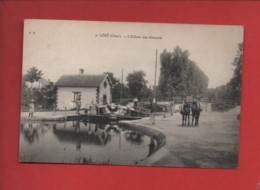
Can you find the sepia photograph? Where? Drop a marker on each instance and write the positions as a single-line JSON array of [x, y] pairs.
[[128, 93]]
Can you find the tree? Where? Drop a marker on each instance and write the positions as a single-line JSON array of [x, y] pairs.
[[24, 94], [236, 81], [146, 93], [231, 90], [179, 75], [137, 83], [33, 75], [49, 93]]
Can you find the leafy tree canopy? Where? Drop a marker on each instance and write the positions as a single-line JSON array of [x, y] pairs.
[[235, 82], [137, 83], [33, 74], [179, 75]]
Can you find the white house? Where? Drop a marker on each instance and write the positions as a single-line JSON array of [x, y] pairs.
[[96, 89]]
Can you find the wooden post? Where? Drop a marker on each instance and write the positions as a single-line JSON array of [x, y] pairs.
[[155, 76], [121, 90], [154, 95]]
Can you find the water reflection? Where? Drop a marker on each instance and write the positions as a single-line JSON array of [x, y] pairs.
[[31, 133], [83, 142], [91, 133], [134, 137]]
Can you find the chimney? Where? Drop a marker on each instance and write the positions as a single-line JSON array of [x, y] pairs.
[[81, 71]]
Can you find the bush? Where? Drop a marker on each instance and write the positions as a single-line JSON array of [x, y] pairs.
[[222, 107]]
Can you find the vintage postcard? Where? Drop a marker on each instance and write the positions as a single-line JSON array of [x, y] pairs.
[[120, 93]]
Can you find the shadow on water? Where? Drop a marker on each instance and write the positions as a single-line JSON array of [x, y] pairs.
[[194, 126], [82, 142]]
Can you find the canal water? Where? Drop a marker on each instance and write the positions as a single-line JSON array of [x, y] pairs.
[[81, 142]]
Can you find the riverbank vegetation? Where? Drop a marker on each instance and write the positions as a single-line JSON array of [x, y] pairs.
[[232, 90], [43, 95]]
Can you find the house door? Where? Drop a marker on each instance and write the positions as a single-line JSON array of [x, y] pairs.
[[104, 99]]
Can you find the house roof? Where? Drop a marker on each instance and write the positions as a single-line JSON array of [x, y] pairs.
[[80, 80]]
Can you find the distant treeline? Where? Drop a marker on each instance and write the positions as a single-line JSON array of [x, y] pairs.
[[232, 90]]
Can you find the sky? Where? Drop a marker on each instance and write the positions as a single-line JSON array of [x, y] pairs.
[[59, 47]]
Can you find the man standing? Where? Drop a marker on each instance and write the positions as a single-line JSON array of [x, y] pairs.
[[78, 104], [172, 107], [135, 103], [31, 108]]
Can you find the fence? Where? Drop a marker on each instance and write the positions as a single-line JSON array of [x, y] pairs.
[[207, 104], [179, 100]]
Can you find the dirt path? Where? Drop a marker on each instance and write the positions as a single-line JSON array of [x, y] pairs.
[[213, 144]]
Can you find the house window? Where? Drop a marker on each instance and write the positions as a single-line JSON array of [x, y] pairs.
[[76, 96], [105, 84]]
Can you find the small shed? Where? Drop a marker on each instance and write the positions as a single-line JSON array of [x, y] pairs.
[[93, 89]]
